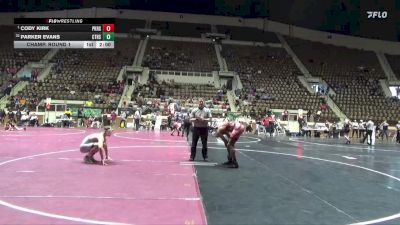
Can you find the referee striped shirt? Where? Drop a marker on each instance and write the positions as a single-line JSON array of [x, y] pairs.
[[205, 113]]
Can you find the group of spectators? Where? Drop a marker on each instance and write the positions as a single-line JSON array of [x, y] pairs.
[[25, 118], [362, 130]]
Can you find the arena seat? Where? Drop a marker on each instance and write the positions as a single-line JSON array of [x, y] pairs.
[[248, 34], [182, 56], [394, 61], [269, 78], [181, 29], [86, 75], [12, 60], [354, 75]]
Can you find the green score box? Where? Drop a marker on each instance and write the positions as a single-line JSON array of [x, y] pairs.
[[108, 36]]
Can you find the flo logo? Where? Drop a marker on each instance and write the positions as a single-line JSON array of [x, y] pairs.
[[377, 14]]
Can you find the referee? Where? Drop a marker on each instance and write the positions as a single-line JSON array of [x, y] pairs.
[[200, 117]]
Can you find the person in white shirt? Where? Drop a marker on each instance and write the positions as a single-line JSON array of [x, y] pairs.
[[94, 143], [96, 122], [346, 130], [34, 121], [354, 127], [25, 119], [369, 127], [137, 119], [123, 116], [318, 115], [361, 129]]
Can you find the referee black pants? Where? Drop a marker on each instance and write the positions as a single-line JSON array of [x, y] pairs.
[[202, 133], [368, 134]]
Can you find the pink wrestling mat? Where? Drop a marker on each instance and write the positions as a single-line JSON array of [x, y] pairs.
[[43, 180]]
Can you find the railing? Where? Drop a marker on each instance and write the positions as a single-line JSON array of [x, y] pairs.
[[338, 112], [232, 100], [386, 67], [182, 73]]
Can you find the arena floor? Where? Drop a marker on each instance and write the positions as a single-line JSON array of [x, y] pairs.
[[282, 180]]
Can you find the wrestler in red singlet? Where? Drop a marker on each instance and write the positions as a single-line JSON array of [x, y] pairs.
[[233, 130]]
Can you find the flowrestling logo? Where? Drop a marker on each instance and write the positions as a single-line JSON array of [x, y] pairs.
[[377, 14]]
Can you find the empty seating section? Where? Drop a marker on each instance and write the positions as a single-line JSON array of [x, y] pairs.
[[183, 56], [362, 98], [181, 29], [126, 25], [248, 34], [183, 91], [87, 75], [269, 79], [12, 60], [328, 60], [394, 61], [353, 74]]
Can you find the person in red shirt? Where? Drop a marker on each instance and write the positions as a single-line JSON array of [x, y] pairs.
[[265, 121], [230, 132], [268, 122]]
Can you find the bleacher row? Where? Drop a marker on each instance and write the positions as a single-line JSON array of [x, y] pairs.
[[12, 60], [354, 75], [184, 56], [186, 93], [89, 75], [269, 75]]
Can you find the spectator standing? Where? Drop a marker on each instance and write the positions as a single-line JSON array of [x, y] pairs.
[[18, 116], [361, 129], [68, 113], [385, 130], [137, 119], [2, 116], [122, 124], [369, 127], [354, 127], [186, 125], [113, 118]]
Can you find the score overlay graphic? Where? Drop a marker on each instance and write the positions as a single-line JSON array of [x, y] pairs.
[[91, 33]]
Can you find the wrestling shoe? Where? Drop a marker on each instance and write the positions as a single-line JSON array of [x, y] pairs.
[[227, 163], [234, 165], [93, 160], [87, 159]]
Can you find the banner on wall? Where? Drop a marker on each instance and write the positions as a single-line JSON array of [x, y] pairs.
[[86, 112]]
